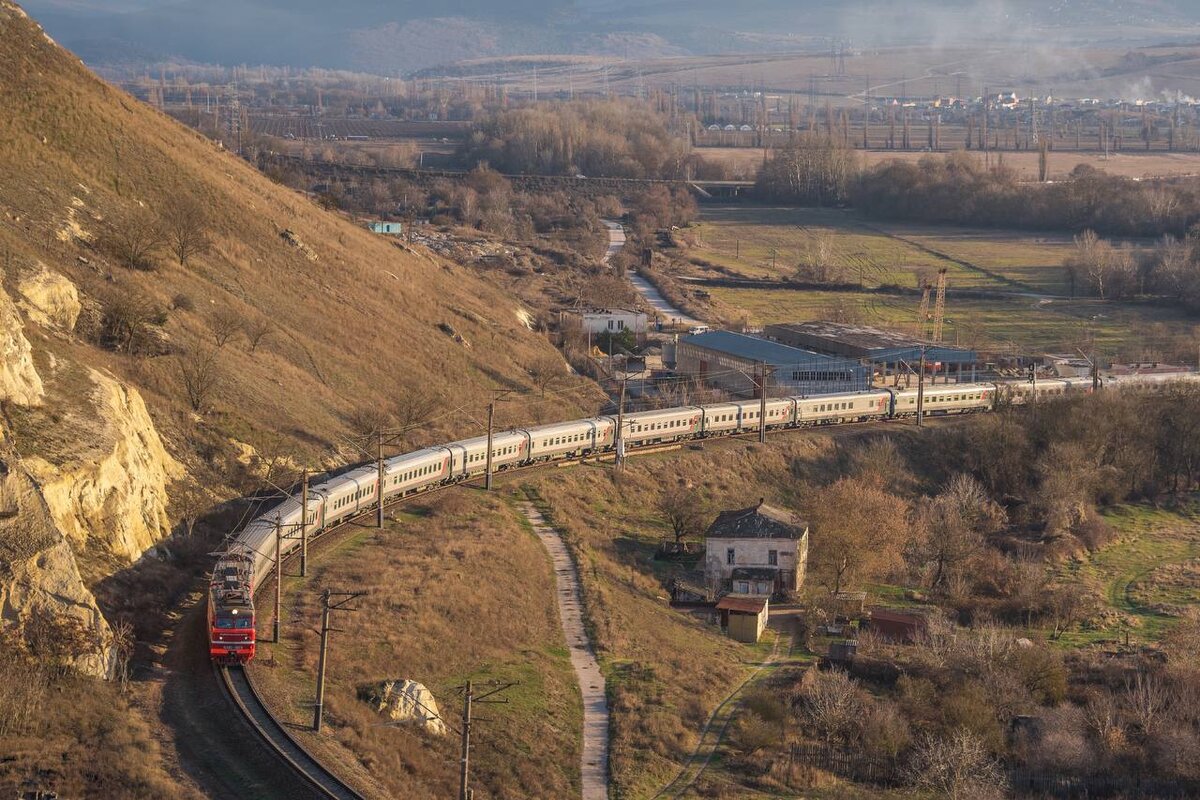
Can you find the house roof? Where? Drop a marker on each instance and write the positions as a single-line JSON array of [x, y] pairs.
[[757, 522], [742, 604], [754, 573]]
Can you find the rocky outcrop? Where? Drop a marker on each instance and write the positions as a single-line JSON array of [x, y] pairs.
[[115, 494], [39, 577], [49, 299], [405, 701], [20, 383]]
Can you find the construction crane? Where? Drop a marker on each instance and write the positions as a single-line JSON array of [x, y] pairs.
[[939, 306], [923, 311]]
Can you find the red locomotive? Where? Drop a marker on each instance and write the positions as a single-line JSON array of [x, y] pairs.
[[231, 609]]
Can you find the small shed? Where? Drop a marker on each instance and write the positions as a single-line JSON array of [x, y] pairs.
[[895, 626], [743, 617], [386, 228]]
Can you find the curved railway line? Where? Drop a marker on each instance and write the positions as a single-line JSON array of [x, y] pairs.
[[324, 783], [274, 734]]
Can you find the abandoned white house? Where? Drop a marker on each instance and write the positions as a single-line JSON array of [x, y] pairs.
[[761, 550]]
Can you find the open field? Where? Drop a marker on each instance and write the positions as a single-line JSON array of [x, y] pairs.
[[1000, 325], [745, 161], [758, 242], [1137, 574]]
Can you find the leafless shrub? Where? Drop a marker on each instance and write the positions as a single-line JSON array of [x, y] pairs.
[[956, 766], [189, 500], [226, 324], [122, 644], [200, 374], [368, 420], [885, 731], [128, 321], [832, 704], [257, 331], [185, 227], [135, 239], [1145, 699]]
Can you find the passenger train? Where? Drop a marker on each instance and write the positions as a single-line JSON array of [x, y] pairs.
[[251, 553]]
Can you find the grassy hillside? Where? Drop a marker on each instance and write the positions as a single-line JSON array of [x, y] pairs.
[[356, 324], [307, 328]]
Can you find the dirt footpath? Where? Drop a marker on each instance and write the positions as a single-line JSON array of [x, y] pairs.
[[583, 657]]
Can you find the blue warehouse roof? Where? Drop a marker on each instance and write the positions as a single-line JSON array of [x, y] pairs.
[[752, 348]]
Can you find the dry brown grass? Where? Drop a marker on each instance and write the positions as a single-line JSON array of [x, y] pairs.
[[743, 162], [355, 327], [666, 669], [459, 588]]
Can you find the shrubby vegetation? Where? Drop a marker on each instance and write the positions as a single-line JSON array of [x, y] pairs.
[[610, 139], [812, 169], [957, 188]]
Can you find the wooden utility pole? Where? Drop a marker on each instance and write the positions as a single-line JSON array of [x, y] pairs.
[[497, 395], [469, 700], [921, 388], [304, 523], [322, 661], [487, 475], [464, 772], [278, 575], [619, 437], [379, 488], [762, 402]]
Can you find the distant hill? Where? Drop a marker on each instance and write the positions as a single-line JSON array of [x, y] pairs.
[[352, 34]]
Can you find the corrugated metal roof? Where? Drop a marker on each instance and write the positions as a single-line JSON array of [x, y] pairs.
[[743, 604], [862, 341], [753, 348]]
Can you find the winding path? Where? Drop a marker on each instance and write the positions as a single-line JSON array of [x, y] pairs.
[[594, 769], [669, 313]]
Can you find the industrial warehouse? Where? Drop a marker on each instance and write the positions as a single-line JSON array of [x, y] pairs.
[[887, 353], [734, 361]]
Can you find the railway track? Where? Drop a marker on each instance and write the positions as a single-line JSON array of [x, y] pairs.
[[285, 747], [323, 782]]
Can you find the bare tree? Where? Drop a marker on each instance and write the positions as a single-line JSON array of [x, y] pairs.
[[832, 703], [683, 510], [123, 642], [226, 324], [190, 501], [200, 374], [546, 373], [185, 225], [257, 331], [957, 766], [1146, 699], [135, 239], [370, 419], [412, 408], [127, 320]]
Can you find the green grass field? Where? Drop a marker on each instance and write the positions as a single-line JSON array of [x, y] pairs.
[[1006, 325], [1133, 574]]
